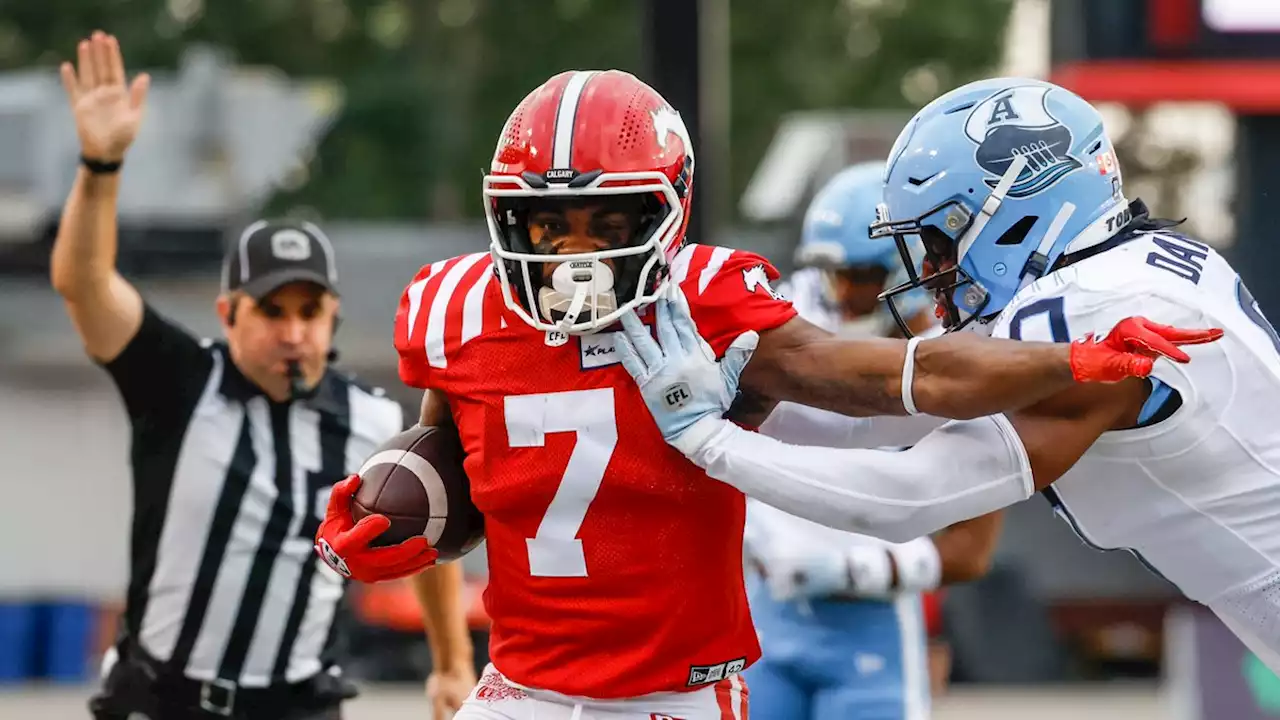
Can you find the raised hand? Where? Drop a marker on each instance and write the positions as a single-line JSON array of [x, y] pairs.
[[107, 110]]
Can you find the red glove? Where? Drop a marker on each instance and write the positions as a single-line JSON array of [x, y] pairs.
[[344, 544], [1131, 348]]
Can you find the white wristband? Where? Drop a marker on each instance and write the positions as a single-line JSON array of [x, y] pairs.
[[919, 566], [908, 374], [870, 570]]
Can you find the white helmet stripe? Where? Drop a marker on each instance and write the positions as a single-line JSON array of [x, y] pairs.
[[566, 115], [990, 206]]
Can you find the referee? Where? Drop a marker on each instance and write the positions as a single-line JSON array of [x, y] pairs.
[[235, 444]]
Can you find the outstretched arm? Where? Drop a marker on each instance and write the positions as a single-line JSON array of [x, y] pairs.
[[902, 495], [804, 425], [958, 375], [894, 495]]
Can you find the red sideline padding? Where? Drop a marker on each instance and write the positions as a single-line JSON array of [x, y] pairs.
[[1247, 87]]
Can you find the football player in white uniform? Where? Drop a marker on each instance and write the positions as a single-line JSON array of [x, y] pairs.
[[1013, 187], [840, 614]]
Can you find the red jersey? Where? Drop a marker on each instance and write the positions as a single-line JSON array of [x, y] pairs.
[[615, 564]]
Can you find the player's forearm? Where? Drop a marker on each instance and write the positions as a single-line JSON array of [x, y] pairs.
[[804, 425], [84, 252], [963, 376], [440, 595], [960, 375], [897, 496]]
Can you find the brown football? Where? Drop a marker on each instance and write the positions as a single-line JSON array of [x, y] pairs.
[[417, 480]]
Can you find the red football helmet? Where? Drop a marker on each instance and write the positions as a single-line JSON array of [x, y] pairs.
[[588, 133]]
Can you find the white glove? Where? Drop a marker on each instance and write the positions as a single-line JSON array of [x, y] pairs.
[[863, 571], [686, 390], [792, 576]]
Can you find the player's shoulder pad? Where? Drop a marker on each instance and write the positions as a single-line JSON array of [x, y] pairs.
[[700, 270], [443, 308], [729, 292]]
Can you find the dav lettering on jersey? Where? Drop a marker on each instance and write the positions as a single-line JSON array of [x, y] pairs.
[[664, 717], [707, 674]]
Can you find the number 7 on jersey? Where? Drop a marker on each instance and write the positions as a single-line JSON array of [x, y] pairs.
[[556, 551]]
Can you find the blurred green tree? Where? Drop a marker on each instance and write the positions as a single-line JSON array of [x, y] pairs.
[[430, 82]]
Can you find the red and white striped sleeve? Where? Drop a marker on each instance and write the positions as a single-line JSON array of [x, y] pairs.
[[729, 292], [440, 311]]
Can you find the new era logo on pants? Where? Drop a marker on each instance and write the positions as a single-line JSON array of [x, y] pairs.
[[704, 674]]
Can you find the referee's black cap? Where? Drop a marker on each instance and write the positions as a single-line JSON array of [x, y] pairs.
[[271, 254]]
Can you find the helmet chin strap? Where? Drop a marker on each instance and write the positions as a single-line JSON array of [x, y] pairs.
[[1038, 263], [575, 307], [572, 283]]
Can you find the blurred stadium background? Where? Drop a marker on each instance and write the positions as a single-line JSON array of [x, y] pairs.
[[375, 119]]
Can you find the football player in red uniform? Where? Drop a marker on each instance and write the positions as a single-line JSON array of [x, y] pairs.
[[616, 583]]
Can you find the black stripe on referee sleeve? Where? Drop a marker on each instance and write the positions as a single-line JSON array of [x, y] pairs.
[[215, 544], [255, 588], [335, 430]]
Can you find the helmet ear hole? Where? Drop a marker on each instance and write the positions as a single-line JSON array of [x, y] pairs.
[[1018, 231]]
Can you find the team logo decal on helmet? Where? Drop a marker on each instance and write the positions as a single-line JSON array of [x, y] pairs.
[[1016, 122]]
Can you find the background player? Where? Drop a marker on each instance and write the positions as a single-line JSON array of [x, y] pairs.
[[840, 614], [587, 199], [843, 271], [1179, 468]]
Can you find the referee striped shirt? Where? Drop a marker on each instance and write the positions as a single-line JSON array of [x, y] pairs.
[[229, 490]]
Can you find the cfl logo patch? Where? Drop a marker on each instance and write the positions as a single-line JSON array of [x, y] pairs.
[[677, 396]]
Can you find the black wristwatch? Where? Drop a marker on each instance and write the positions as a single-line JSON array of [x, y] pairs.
[[100, 167]]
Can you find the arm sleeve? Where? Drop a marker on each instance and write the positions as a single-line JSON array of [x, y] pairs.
[[732, 297], [803, 425], [161, 370], [896, 496]]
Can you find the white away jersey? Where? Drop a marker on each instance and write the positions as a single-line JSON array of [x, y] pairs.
[[1197, 495]]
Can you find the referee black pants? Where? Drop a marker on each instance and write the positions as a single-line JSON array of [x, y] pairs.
[[139, 685]]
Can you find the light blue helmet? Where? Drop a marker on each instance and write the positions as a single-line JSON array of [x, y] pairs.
[[999, 179], [836, 231]]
